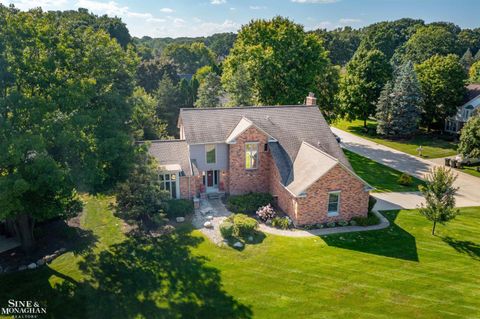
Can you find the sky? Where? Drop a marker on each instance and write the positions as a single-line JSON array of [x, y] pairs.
[[177, 18]]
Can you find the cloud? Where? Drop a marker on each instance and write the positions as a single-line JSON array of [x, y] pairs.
[[315, 1], [167, 10], [323, 25], [45, 4], [218, 1], [257, 7], [349, 20]]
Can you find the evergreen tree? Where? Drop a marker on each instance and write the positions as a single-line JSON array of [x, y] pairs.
[[467, 59], [239, 88], [168, 104], [209, 92], [399, 105], [477, 56]]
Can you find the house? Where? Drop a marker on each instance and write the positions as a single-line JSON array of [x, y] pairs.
[[471, 103], [288, 151]]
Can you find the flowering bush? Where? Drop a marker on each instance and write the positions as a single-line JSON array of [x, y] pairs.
[[266, 213]]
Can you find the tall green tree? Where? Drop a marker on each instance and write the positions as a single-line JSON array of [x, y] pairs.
[[283, 61], [442, 79], [169, 102], [341, 43], [476, 57], [429, 41], [189, 57], [467, 59], [239, 89], [367, 73], [209, 92], [151, 72], [475, 72], [469, 145], [399, 105], [62, 123], [145, 123], [439, 196]]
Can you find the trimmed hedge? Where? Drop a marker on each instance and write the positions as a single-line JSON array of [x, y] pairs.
[[178, 208], [226, 229], [238, 225], [248, 203]]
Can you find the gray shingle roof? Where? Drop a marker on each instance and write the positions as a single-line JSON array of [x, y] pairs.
[[168, 152], [289, 125]]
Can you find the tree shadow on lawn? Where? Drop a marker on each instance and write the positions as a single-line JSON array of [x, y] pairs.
[[141, 277], [464, 246], [392, 242]]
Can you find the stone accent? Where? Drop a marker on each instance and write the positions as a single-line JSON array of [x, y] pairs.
[[241, 180]]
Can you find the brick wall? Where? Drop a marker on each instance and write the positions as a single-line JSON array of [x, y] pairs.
[[195, 182], [240, 179], [353, 198]]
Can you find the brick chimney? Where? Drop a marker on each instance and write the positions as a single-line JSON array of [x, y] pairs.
[[311, 99]]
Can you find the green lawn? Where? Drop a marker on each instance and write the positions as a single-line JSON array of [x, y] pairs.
[[382, 177], [472, 170], [433, 147], [398, 272]]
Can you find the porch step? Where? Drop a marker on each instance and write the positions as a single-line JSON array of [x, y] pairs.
[[215, 195]]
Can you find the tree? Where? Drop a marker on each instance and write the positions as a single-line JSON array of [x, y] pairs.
[[469, 145], [189, 57], [476, 58], [439, 196], [141, 197], [64, 125], [168, 104], [442, 79], [145, 123], [367, 73], [238, 88], [469, 38], [429, 41], [151, 72], [202, 73], [209, 92], [341, 43], [399, 106], [283, 61], [475, 72], [467, 59], [327, 90]]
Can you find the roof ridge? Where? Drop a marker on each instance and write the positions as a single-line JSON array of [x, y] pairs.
[[319, 150], [245, 107], [162, 141]]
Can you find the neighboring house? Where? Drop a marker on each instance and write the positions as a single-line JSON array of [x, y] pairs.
[[471, 103], [288, 151]]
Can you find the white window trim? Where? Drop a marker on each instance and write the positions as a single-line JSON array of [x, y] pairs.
[[177, 182], [258, 155], [336, 213], [206, 156]]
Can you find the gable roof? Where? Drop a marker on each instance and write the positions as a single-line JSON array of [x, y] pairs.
[[172, 154], [309, 166], [290, 125], [473, 90]]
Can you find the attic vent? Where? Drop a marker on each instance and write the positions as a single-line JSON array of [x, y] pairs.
[[267, 117]]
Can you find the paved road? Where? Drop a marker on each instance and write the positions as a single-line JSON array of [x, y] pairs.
[[469, 186]]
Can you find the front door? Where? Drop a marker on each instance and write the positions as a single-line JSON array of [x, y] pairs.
[[209, 178]]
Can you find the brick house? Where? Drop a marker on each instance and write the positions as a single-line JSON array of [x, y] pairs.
[[288, 151]]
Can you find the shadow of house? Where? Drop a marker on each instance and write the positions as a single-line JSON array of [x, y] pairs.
[[393, 242], [465, 247], [142, 277]]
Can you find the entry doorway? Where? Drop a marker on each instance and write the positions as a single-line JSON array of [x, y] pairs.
[[210, 180]]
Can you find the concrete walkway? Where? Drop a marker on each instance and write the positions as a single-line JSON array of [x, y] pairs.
[[7, 244], [469, 186]]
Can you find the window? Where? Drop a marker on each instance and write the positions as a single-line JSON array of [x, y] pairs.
[[211, 153], [333, 203], [251, 155], [168, 182], [265, 147]]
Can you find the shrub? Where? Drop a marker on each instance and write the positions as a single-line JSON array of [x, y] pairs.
[[248, 203], [371, 203], [243, 226], [226, 229], [266, 213], [178, 208], [331, 224], [353, 223], [158, 219], [405, 180], [281, 222], [342, 223], [370, 220]]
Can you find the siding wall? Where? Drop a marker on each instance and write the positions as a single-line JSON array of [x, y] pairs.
[[197, 152]]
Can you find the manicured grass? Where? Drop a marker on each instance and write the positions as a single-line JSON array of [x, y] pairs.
[[433, 147], [472, 170], [383, 178], [398, 272]]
